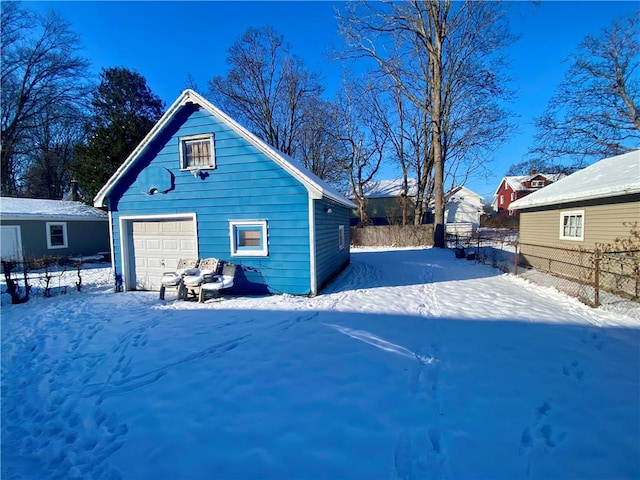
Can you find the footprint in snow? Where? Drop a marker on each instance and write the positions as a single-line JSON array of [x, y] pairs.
[[573, 370]]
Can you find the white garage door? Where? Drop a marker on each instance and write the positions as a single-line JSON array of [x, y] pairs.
[[157, 247]]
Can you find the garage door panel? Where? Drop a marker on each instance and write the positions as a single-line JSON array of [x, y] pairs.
[[188, 245], [155, 263], [158, 246], [170, 244]]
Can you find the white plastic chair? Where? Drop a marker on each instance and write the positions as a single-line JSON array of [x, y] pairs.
[[173, 279], [218, 282], [191, 282]]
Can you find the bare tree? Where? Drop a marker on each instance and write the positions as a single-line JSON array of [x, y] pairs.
[[41, 74], [595, 111], [406, 127], [48, 171], [444, 57], [362, 140], [318, 149], [267, 88]]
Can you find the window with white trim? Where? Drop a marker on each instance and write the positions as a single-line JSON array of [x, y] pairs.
[[341, 237], [572, 225], [249, 238], [537, 183], [197, 152], [56, 235]]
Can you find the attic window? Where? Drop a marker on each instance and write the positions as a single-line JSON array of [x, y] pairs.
[[537, 183], [197, 152]]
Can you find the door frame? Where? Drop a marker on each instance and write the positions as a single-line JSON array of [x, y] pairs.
[[126, 241]]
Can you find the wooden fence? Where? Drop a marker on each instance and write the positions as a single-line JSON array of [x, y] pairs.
[[392, 236]]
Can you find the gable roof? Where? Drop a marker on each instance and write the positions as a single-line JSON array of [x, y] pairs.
[[40, 209], [316, 187], [389, 188], [463, 194], [516, 182], [610, 177]]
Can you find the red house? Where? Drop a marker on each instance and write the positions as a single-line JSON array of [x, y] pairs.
[[516, 187]]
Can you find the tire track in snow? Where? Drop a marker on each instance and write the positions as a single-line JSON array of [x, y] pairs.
[[134, 382]]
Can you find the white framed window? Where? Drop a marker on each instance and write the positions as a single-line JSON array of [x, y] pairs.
[[501, 200], [572, 225], [341, 237], [57, 235], [249, 238], [512, 196], [197, 152], [537, 183]]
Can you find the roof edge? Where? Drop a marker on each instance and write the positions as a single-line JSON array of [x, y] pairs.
[[54, 217], [100, 197], [579, 198], [315, 190]]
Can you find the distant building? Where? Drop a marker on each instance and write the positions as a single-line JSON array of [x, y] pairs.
[[513, 188], [33, 228], [385, 199]]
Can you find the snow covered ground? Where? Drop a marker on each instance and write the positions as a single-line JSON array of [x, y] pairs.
[[411, 365]]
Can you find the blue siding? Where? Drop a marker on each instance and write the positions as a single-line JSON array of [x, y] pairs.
[[245, 185], [330, 259]]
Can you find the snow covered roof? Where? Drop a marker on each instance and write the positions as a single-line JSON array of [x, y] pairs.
[[389, 188], [607, 178], [463, 194], [316, 187], [393, 189], [35, 208], [516, 182]]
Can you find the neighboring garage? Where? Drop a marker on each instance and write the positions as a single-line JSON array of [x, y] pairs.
[[155, 245], [34, 228]]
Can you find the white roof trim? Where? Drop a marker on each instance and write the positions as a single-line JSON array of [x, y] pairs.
[[316, 187]]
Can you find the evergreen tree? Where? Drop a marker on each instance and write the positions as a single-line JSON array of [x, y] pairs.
[[124, 111]]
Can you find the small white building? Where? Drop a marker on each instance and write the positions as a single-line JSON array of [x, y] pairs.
[[463, 208]]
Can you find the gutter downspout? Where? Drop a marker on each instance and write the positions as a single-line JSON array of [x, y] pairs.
[[312, 249]]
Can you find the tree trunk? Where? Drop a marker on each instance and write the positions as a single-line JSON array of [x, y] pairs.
[[435, 60]]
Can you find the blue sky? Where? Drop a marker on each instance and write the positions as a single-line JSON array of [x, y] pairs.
[[166, 41]]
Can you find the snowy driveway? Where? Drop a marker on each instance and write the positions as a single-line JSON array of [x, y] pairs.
[[410, 365]]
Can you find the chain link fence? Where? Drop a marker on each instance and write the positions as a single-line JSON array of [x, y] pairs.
[[492, 246], [595, 277]]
